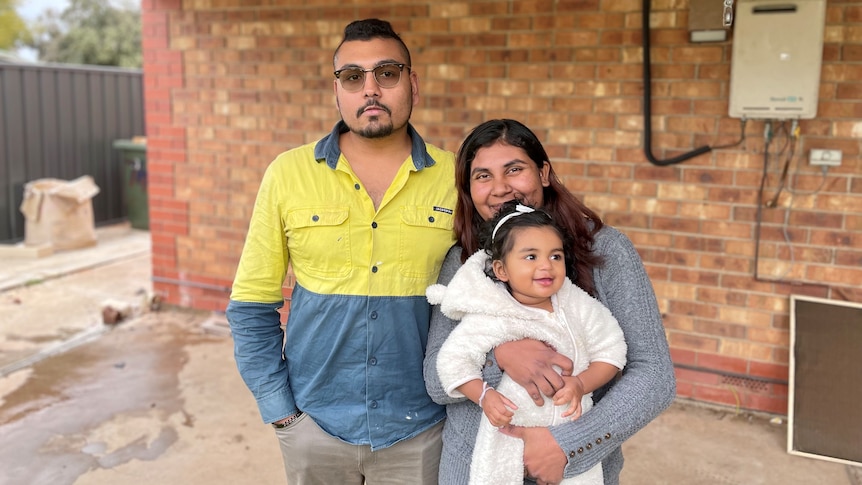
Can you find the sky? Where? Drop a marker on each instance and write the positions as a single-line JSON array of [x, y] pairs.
[[29, 10]]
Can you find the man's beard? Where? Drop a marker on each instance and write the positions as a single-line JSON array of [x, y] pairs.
[[375, 129]]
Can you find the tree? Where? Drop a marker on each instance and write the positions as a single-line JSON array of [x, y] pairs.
[[90, 32], [13, 29]]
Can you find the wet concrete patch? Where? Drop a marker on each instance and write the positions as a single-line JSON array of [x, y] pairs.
[[39, 317], [99, 405]]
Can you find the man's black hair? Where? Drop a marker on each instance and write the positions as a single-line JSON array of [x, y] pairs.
[[368, 29]]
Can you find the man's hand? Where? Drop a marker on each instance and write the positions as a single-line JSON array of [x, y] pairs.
[[531, 363], [544, 460]]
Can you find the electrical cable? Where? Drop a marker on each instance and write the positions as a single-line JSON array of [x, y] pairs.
[[769, 137], [785, 232], [742, 122], [783, 178], [647, 80], [647, 84]]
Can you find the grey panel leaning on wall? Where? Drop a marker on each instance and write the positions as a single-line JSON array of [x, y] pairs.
[[824, 411]]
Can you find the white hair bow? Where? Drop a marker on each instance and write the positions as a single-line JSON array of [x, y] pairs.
[[519, 209]]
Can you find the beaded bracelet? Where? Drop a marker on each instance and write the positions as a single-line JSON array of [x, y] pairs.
[[289, 421]]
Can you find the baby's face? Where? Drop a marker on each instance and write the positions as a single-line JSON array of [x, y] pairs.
[[535, 268]]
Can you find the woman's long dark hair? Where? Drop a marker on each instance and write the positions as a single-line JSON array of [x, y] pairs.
[[580, 222]]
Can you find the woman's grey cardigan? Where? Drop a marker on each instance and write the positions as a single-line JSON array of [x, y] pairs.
[[647, 386]]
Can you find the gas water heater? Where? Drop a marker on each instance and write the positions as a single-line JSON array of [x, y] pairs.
[[777, 54]]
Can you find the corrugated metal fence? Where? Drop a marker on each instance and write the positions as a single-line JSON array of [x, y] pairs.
[[60, 121]]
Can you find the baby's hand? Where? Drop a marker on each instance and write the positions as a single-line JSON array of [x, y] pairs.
[[572, 392], [498, 408], [574, 411]]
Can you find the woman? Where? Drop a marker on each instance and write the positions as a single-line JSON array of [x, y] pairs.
[[516, 288], [503, 160]]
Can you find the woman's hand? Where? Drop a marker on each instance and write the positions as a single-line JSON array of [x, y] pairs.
[[544, 460], [531, 363]]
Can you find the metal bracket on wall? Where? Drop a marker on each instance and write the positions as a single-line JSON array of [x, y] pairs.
[[727, 16]]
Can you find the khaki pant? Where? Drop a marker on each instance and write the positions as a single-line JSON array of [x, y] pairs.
[[312, 457]]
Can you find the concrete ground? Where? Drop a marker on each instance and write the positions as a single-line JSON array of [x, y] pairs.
[[156, 399]]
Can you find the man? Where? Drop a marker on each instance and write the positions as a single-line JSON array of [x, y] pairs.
[[364, 217]]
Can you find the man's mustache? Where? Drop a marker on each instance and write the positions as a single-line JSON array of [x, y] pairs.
[[370, 104]]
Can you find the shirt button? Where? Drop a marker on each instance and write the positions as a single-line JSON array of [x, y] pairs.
[[589, 446], [374, 225], [431, 219], [373, 315], [572, 454], [374, 404], [581, 449], [356, 186], [372, 361], [374, 269], [607, 436], [315, 218], [598, 441]]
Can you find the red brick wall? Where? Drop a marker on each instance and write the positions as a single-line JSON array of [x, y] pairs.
[[230, 84]]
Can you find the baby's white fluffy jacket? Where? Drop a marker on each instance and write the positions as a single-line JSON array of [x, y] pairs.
[[581, 328]]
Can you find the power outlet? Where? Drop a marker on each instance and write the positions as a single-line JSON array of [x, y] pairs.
[[831, 158]]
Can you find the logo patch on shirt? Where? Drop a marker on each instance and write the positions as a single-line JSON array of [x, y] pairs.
[[444, 210]]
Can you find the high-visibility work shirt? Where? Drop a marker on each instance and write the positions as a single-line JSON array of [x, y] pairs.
[[355, 337]]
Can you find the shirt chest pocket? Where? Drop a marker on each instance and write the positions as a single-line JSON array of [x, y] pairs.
[[319, 241], [425, 237]]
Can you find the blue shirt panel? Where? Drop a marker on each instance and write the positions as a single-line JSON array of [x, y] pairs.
[[355, 365]]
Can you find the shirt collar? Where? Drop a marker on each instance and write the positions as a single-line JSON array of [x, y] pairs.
[[327, 149]]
